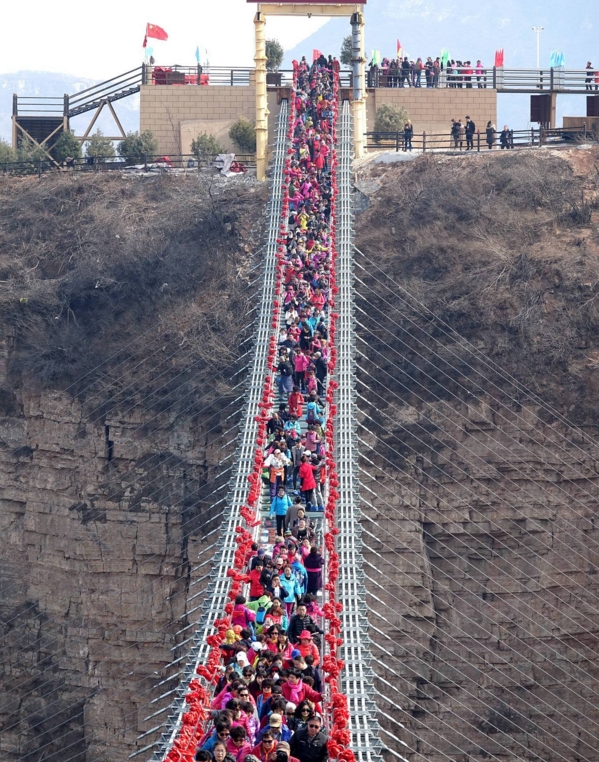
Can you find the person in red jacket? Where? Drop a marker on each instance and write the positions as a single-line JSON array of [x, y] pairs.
[[296, 691], [307, 647], [307, 482], [256, 588]]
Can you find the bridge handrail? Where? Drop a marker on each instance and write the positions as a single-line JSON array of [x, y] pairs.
[[444, 141]]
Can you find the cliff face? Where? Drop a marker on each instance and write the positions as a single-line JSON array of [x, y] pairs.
[[479, 496], [111, 486]]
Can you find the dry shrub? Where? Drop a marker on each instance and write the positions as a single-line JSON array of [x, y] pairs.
[[136, 286], [502, 249]]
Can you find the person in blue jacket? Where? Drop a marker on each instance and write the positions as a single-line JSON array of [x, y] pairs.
[[301, 575], [279, 507], [292, 590]]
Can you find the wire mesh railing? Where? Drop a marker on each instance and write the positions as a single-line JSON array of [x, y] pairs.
[[357, 677], [217, 592], [550, 79], [478, 141]]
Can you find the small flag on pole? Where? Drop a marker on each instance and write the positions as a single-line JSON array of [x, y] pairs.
[[156, 32], [315, 54], [198, 57], [398, 49], [499, 57]]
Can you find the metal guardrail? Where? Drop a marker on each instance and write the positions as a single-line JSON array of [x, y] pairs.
[[131, 81], [217, 592], [585, 81], [223, 76], [423, 141], [357, 677]]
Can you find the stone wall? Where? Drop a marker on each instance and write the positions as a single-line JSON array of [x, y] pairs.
[[432, 109], [177, 114]]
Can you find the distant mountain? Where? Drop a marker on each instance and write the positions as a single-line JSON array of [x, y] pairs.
[[472, 31], [49, 84]]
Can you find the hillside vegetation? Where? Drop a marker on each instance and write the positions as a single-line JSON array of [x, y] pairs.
[[505, 250], [99, 274]]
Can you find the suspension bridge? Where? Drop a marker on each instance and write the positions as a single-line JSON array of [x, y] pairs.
[[408, 626]]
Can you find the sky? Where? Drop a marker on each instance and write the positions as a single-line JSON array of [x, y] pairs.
[[104, 39]]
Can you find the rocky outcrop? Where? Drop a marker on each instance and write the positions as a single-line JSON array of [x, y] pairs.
[[479, 498], [120, 374]]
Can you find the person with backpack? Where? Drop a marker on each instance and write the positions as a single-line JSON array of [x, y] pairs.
[[242, 616], [313, 412], [491, 134]]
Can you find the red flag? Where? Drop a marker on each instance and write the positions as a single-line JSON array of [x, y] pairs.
[[156, 32], [145, 41], [315, 54], [398, 48], [499, 57]]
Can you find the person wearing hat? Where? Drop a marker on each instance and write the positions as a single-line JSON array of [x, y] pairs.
[[307, 647], [284, 750], [257, 558], [280, 732]]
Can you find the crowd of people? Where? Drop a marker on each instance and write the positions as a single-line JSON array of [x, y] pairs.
[[462, 134], [267, 705], [403, 72]]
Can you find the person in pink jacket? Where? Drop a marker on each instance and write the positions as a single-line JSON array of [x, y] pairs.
[[300, 362], [295, 691]]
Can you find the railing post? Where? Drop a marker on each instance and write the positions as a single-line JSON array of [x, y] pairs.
[[397, 142], [232, 77], [423, 142], [15, 105], [551, 79], [478, 141], [494, 78], [143, 73]]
